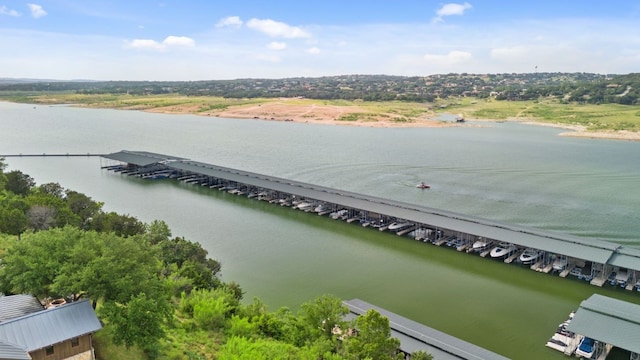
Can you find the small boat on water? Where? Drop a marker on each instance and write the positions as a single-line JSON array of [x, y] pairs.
[[423, 185]]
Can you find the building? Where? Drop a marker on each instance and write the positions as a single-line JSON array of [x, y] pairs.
[[30, 331]]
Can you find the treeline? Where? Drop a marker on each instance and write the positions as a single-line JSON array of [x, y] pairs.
[[568, 87], [159, 293]]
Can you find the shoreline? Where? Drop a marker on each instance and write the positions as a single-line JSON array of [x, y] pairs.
[[314, 112], [330, 114]]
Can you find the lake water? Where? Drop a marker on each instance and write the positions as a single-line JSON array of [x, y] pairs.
[[507, 172]]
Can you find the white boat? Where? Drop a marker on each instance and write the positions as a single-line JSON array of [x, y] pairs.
[[529, 255], [304, 206], [586, 348], [560, 263], [622, 277], [399, 225], [481, 245], [322, 208], [338, 214], [503, 249]]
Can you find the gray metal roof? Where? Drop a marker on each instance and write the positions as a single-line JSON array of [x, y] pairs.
[[414, 336], [48, 327], [587, 249], [626, 257], [140, 158], [13, 306], [612, 321], [12, 352]]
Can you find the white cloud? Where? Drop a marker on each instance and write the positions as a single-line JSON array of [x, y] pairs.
[[233, 21], [36, 11], [313, 51], [452, 58], [144, 44], [169, 41], [6, 11], [179, 41], [451, 9], [275, 45], [277, 29]]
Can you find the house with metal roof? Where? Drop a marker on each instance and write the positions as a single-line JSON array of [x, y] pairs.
[[57, 333], [414, 336], [609, 321]]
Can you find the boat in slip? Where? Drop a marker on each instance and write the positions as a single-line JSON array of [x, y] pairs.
[[586, 348], [530, 255], [503, 249], [481, 245], [560, 263], [399, 226], [423, 185]]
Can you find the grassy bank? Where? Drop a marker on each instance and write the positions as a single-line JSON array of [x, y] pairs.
[[611, 117], [605, 117]]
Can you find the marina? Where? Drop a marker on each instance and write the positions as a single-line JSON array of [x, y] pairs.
[[591, 260], [286, 256]]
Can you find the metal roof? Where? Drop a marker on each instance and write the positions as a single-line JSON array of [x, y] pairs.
[[612, 321], [13, 306], [414, 336], [140, 158], [48, 327], [12, 352], [626, 257], [587, 249]]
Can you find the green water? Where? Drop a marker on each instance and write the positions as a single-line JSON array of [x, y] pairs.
[[510, 173]]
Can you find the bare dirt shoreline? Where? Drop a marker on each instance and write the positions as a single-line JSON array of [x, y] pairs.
[[330, 115]]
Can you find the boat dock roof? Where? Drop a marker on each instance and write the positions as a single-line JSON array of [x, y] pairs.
[[609, 320], [414, 336], [594, 250]]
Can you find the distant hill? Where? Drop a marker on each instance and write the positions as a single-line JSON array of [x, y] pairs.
[[570, 87]]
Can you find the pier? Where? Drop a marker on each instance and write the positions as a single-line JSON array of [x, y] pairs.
[[52, 155], [431, 225]]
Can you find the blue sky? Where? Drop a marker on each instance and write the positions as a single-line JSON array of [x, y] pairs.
[[213, 39]]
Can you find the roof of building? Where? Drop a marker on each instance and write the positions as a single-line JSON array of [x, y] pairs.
[[12, 352], [48, 327], [13, 306], [414, 336], [612, 321], [140, 158], [587, 249]]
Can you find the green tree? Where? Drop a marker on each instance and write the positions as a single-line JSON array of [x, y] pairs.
[[19, 183], [140, 321], [83, 206], [373, 339], [421, 355], [322, 315], [13, 221], [157, 232]]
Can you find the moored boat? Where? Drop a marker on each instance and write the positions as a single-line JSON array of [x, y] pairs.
[[503, 249], [529, 255]]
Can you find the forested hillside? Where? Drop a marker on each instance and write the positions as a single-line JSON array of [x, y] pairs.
[[569, 87]]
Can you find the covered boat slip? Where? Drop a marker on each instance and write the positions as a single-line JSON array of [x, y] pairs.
[[609, 321], [604, 257], [414, 336]]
